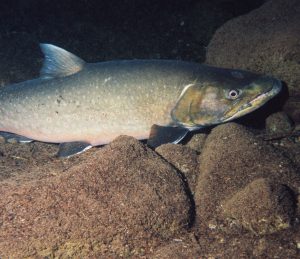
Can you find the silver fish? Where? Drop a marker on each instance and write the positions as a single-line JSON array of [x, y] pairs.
[[81, 104]]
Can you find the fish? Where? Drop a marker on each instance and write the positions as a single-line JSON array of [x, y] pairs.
[[80, 105]]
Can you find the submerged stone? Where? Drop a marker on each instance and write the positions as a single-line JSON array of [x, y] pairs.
[[263, 207], [120, 200]]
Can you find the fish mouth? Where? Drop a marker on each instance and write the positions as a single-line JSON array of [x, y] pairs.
[[258, 101], [264, 97]]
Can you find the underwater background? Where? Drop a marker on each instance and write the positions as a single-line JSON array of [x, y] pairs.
[[105, 30], [232, 192]]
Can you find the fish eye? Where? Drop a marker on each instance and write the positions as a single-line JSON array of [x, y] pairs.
[[233, 94]]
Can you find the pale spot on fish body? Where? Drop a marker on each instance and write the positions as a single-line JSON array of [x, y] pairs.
[[107, 79]]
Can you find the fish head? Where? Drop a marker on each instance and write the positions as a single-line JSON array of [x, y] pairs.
[[223, 97]]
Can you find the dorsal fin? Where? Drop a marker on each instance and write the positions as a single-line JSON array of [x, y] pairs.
[[59, 62]]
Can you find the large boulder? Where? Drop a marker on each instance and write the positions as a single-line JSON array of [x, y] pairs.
[[246, 189], [265, 40], [121, 200]]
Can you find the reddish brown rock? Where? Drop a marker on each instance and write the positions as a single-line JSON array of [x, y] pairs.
[[182, 247], [232, 159], [265, 40], [120, 200], [267, 207], [184, 159], [279, 123], [197, 141]]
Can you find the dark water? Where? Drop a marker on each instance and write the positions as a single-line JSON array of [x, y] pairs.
[[111, 29]]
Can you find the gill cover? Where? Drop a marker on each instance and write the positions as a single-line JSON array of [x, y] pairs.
[[186, 103], [200, 105]]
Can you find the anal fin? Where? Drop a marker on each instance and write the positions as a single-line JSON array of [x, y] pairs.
[[165, 134], [14, 138], [69, 149]]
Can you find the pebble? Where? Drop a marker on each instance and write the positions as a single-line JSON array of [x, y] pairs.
[[279, 123]]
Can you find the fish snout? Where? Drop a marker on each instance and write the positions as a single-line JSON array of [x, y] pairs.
[[273, 84], [277, 85]]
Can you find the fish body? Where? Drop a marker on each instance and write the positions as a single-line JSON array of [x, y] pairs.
[[97, 104], [74, 101]]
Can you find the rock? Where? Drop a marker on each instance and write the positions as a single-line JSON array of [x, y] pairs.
[[263, 248], [241, 43], [184, 159], [2, 139], [183, 247], [120, 201], [279, 123], [31, 162], [206, 16], [197, 141], [231, 161], [262, 207]]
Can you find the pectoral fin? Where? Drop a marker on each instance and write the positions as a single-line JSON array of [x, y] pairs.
[[72, 148], [161, 135]]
